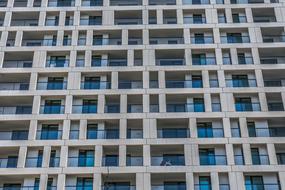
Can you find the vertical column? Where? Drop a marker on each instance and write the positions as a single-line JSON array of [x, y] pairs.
[[22, 156], [187, 152], [82, 129], [162, 103], [124, 103], [146, 155], [271, 153], [230, 154], [68, 104], [65, 129], [123, 128], [193, 127], [232, 180], [283, 98], [63, 156], [61, 181], [205, 78], [234, 56], [215, 180], [36, 104], [101, 103], [97, 181], [122, 155], [146, 103], [61, 21], [262, 101], [131, 57], [114, 80], [33, 129], [46, 156], [195, 155], [189, 180], [159, 16], [208, 102], [243, 127], [125, 37], [282, 180], [43, 181], [240, 179], [259, 78], [227, 127], [98, 155], [247, 154], [18, 38], [140, 181], [188, 57]]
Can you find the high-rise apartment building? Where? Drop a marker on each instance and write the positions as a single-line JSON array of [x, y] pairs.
[[142, 95]]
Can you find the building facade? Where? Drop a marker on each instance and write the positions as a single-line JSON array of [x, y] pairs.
[[142, 95]]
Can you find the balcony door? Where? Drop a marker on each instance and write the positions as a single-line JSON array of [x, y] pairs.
[[244, 104], [240, 81], [86, 158], [55, 83], [49, 132], [92, 82], [89, 106], [204, 183], [255, 156], [207, 157], [205, 130], [52, 106]]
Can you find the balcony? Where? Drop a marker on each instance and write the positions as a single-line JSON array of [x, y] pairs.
[[14, 86], [57, 63], [33, 162], [110, 161], [91, 3], [117, 186], [202, 39], [173, 133], [194, 20], [91, 22], [17, 63], [24, 22], [61, 3], [275, 106], [166, 40], [54, 162], [125, 3], [239, 18], [170, 62], [184, 84], [168, 160], [272, 60], [103, 134], [52, 109], [109, 62], [14, 135], [202, 186], [265, 186], [134, 108], [239, 159], [112, 108], [9, 162], [235, 39], [188, 107], [241, 83], [210, 132], [81, 161], [128, 21], [77, 187], [266, 132], [261, 159], [162, 2], [95, 85], [130, 84], [196, 2], [134, 161], [280, 158], [51, 21], [264, 18], [244, 107], [106, 41], [213, 160], [52, 85], [38, 42], [171, 185], [15, 110], [83, 109], [203, 61], [273, 38], [48, 134]]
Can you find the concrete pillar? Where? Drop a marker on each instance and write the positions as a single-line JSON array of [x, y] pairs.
[[114, 80], [189, 180], [123, 103], [227, 127], [46, 156], [247, 154], [36, 104], [65, 129], [139, 181], [146, 155], [101, 103], [232, 180], [18, 38], [195, 155], [33, 129], [215, 180], [33, 81], [125, 37], [161, 79], [208, 102], [206, 80], [240, 179], [122, 155], [162, 103], [263, 101], [193, 127], [159, 16], [271, 154], [43, 181], [230, 154], [131, 57], [243, 127], [22, 156], [282, 180], [68, 104], [145, 103], [187, 153], [61, 181], [259, 78], [123, 128], [98, 155], [63, 156], [97, 181], [82, 129]]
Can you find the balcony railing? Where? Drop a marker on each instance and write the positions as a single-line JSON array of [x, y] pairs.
[[202, 186], [246, 1], [204, 61], [162, 2], [169, 186], [74, 134], [172, 160], [52, 85], [261, 159], [81, 161], [57, 63], [169, 20], [91, 3], [280, 158], [110, 161], [194, 20], [52, 109], [130, 84], [24, 22], [135, 41], [213, 160], [134, 161], [48, 134], [274, 82], [224, 186], [275, 106], [264, 18], [14, 86], [239, 159], [17, 64], [33, 162], [235, 39], [77, 187], [8, 162], [173, 133], [51, 22], [15, 110], [103, 134], [241, 83], [210, 132], [54, 162], [14, 135], [189, 107], [95, 85], [195, 2], [202, 40], [170, 62], [90, 22], [118, 187], [235, 132], [22, 188], [82, 109], [273, 38], [134, 134], [134, 108], [107, 41], [267, 132], [39, 42], [255, 106], [125, 2], [216, 107], [184, 84], [239, 19], [127, 21], [153, 108], [265, 186], [109, 62], [272, 60], [61, 3], [112, 108], [166, 40]]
